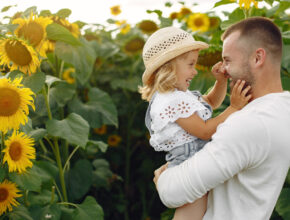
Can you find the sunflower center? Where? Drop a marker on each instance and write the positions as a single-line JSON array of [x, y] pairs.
[[9, 102], [15, 151], [18, 53], [198, 22], [32, 32], [3, 194]]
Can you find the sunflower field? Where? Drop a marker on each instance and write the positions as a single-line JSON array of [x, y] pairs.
[[73, 139]]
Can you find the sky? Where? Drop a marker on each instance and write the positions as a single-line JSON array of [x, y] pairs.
[[98, 11]]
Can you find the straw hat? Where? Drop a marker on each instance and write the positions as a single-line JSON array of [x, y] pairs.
[[166, 44]]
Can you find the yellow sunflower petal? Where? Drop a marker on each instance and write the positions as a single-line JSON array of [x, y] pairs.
[[198, 22], [19, 152], [18, 55], [114, 140], [8, 193], [33, 30], [14, 104], [67, 75]]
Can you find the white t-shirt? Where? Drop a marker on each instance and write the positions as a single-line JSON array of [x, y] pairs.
[[244, 166], [166, 108]]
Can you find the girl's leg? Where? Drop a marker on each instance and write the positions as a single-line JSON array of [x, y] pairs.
[[192, 211]]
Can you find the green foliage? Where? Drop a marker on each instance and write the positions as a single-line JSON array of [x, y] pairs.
[[73, 128]]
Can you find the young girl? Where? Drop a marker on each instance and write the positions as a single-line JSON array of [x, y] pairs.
[[179, 121]]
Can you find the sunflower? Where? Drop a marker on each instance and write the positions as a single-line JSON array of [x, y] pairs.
[[214, 22], [198, 22], [134, 45], [246, 4], [17, 54], [72, 27], [125, 28], [115, 10], [68, 75], [33, 30], [14, 102], [8, 193], [19, 152], [183, 12], [102, 130], [147, 26], [207, 59], [114, 140], [173, 15]]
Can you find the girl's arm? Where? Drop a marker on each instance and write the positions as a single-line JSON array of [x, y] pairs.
[[205, 129], [217, 94]]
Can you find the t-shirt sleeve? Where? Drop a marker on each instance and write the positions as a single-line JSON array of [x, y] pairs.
[[175, 106], [237, 145]]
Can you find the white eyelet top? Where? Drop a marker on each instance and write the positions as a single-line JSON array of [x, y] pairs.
[[166, 108]]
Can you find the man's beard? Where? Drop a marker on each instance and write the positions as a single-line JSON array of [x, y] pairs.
[[247, 75]]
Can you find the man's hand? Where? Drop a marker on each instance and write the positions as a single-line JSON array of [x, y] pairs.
[[158, 172]]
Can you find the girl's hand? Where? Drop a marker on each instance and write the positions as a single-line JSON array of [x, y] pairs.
[[219, 72], [239, 97]]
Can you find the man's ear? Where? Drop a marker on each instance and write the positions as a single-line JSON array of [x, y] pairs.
[[259, 56]]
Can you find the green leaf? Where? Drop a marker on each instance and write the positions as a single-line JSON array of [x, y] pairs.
[[45, 170], [74, 129], [223, 2], [102, 173], [82, 57], [37, 134], [28, 180], [94, 146], [51, 79], [8, 27], [35, 82], [64, 13], [284, 5], [283, 204], [105, 105], [52, 212], [59, 33], [270, 2], [43, 198], [98, 111], [89, 210], [62, 92], [130, 84], [79, 179], [6, 8], [2, 174], [28, 12], [20, 213], [45, 13], [286, 34]]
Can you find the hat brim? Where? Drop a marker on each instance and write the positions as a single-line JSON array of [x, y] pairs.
[[169, 55]]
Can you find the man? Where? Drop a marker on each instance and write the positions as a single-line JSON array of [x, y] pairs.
[[246, 163]]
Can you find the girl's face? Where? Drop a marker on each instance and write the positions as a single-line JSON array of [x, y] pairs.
[[185, 69]]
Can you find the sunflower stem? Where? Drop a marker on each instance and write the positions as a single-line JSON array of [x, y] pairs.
[[26, 203], [61, 69], [2, 146], [61, 173], [52, 194], [70, 156], [47, 103], [43, 146]]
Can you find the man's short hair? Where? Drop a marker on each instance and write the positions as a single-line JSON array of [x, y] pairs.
[[261, 32]]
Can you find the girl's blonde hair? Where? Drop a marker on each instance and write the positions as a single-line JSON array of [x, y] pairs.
[[162, 80]]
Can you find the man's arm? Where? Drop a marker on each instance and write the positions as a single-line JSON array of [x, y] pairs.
[[240, 143]]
